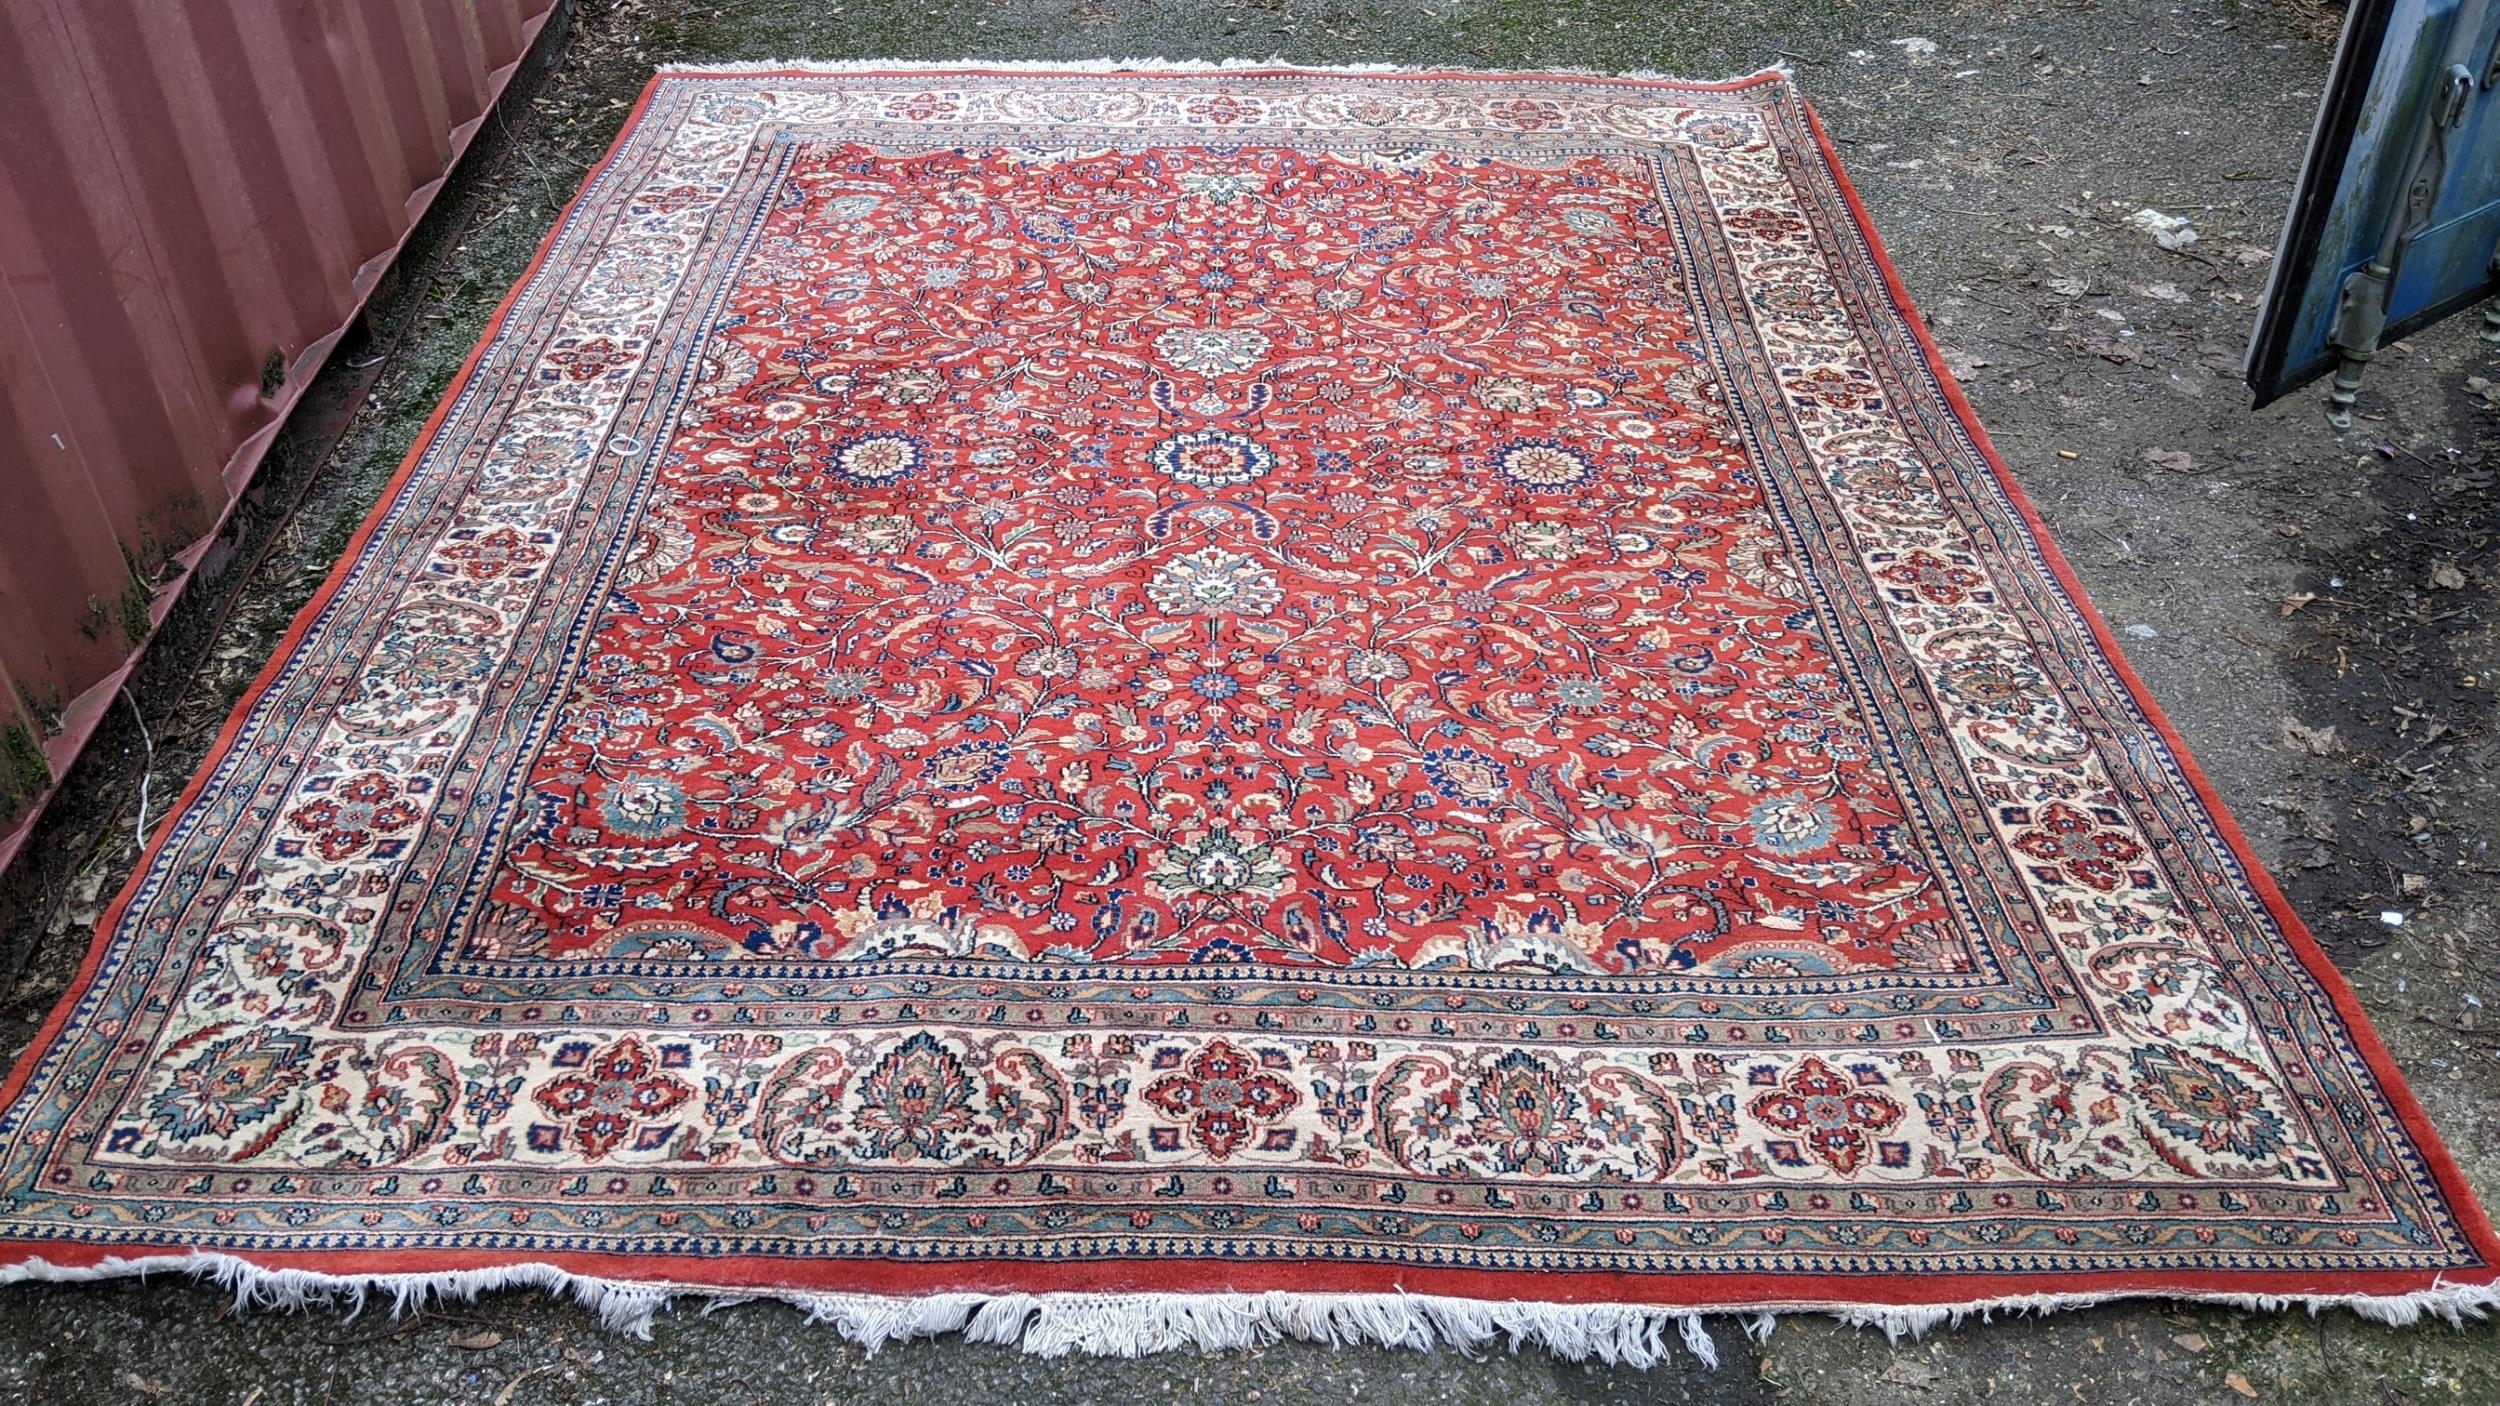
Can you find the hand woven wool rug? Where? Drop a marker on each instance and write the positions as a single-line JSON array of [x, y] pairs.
[[1130, 708]]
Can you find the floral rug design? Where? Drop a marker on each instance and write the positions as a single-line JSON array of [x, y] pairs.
[[1218, 681]]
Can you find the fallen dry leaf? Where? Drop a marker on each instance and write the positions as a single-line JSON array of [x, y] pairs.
[[2447, 577], [480, 1341], [504, 1397], [2316, 741], [145, 1386], [2292, 605], [2177, 461], [2193, 1342], [2239, 1383]]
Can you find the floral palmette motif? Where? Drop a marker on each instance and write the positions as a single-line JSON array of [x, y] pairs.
[[1216, 584], [604, 1097], [355, 815], [234, 1081], [875, 460], [2080, 846], [1833, 1115], [482, 556], [2211, 1104], [916, 1100], [1519, 1114], [2007, 704], [1212, 351], [263, 1094], [1541, 465], [1220, 864], [1224, 1095], [919, 1099], [1212, 458], [1922, 575]]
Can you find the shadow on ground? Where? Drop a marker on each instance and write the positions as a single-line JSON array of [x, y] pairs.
[[2261, 568]]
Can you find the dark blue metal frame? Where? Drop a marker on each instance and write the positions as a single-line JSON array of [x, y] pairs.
[[2396, 217]]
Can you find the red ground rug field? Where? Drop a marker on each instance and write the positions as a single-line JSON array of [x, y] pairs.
[[1087, 704]]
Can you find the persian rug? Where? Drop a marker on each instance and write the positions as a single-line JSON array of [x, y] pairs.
[[1150, 707]]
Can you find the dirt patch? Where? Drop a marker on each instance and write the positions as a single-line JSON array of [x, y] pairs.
[[2394, 651], [2321, 20]]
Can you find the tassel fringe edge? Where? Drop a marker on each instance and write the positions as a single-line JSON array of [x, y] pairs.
[[1137, 1325]]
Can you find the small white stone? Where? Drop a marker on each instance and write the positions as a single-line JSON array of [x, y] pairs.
[[2392, 918]]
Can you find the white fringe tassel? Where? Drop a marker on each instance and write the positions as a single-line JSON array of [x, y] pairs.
[[1135, 1325]]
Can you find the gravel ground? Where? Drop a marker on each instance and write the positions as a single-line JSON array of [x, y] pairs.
[[2314, 610]]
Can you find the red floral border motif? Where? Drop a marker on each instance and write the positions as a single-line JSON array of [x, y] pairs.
[[599, 1104]]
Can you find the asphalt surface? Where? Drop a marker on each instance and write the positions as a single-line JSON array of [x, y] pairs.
[[2000, 167]]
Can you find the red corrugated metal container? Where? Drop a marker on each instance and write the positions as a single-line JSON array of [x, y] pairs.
[[195, 200]]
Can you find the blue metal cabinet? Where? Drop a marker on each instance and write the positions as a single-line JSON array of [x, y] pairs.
[[2396, 219]]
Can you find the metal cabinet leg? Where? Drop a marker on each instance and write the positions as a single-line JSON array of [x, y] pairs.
[[2347, 387]]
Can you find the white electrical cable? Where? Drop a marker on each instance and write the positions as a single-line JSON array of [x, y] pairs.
[[150, 744]]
